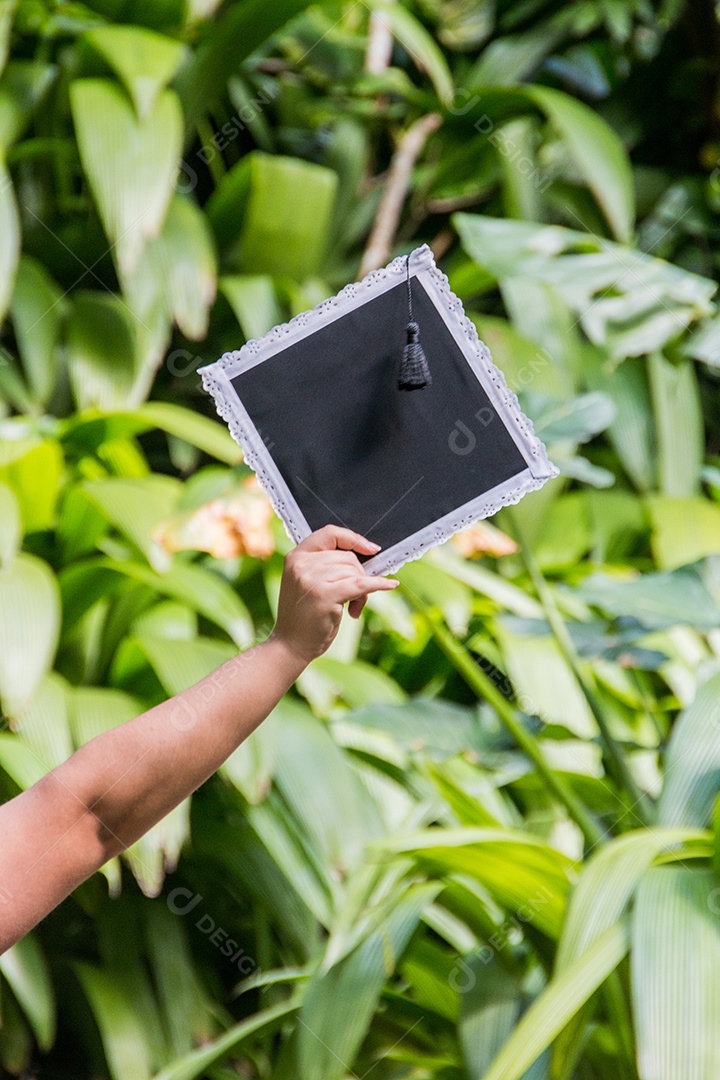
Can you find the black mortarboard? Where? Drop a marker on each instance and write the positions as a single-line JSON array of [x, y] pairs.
[[322, 411]]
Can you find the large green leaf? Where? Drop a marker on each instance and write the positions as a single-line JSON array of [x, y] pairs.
[[658, 601], [704, 344], [80, 524], [143, 60], [598, 153], [206, 434], [159, 849], [197, 1062], [24, 967], [439, 727], [489, 1007], [606, 889], [339, 815], [514, 57], [131, 164], [175, 276], [122, 956], [515, 867], [679, 424], [483, 581], [20, 762], [16, 1041], [252, 766], [676, 974], [287, 222], [94, 710], [92, 428], [7, 10], [432, 585], [203, 590], [576, 420], [558, 1003], [22, 87], [10, 232], [44, 724], [254, 302], [289, 864], [521, 193], [473, 798], [29, 627], [538, 311], [18, 440], [564, 536], [122, 1031], [184, 1001], [608, 883], [36, 311], [523, 361], [617, 522], [13, 390], [136, 507], [631, 430], [180, 664], [543, 682], [625, 300], [10, 525], [356, 682], [226, 206], [339, 1004], [684, 530], [427, 968], [692, 765], [35, 473], [100, 350]]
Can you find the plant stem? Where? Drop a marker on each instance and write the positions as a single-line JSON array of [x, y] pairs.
[[478, 681], [379, 245], [619, 1012], [215, 164], [617, 765]]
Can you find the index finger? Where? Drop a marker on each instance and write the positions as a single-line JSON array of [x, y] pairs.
[[331, 537]]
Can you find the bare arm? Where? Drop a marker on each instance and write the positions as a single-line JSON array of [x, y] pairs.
[[116, 787]]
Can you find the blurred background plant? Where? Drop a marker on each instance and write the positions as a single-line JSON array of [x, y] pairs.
[[477, 840]]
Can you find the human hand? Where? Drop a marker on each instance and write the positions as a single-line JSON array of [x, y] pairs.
[[320, 575]]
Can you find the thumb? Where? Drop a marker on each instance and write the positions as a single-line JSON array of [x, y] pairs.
[[355, 606]]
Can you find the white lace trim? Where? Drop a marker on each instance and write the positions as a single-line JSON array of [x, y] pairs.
[[217, 381]]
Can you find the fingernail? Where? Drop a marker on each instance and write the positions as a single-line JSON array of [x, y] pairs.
[[373, 545]]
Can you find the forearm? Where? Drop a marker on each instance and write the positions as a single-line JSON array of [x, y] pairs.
[[132, 776], [116, 787]]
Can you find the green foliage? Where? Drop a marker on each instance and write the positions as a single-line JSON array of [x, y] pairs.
[[479, 838]]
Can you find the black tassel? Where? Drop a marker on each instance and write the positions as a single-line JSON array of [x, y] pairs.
[[414, 368]]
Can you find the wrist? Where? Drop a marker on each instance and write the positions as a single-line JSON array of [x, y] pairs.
[[286, 655]]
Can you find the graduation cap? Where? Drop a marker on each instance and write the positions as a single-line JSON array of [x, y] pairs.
[[380, 410]]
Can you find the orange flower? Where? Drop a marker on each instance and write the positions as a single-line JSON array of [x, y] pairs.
[[482, 538], [232, 525]]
